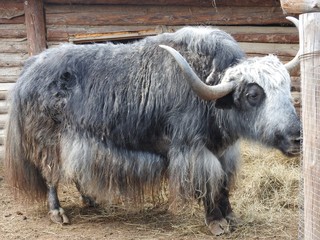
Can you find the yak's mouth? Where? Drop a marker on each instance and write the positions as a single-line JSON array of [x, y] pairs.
[[293, 152], [290, 147]]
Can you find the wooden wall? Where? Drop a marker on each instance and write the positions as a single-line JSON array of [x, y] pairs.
[[13, 52], [259, 25]]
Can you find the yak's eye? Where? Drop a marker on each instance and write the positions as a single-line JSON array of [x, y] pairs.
[[254, 94]]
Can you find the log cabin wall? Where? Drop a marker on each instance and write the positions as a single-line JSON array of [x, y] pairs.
[[259, 25], [13, 52]]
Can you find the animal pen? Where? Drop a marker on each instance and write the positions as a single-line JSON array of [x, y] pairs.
[[41, 33]]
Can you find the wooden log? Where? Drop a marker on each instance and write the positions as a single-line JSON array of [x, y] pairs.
[[11, 12], [12, 59], [2, 140], [310, 85], [16, 20], [3, 120], [12, 31], [10, 71], [265, 34], [13, 46], [1, 153], [35, 25], [203, 3], [8, 79], [123, 35], [6, 86], [98, 15], [300, 6], [4, 107], [3, 95], [65, 32], [270, 48]]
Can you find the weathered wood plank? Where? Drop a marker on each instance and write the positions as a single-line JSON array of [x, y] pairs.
[[10, 71], [13, 31], [2, 140], [3, 95], [85, 37], [204, 3], [13, 47], [3, 120], [16, 20], [11, 12], [263, 34], [161, 15], [270, 48], [1, 152], [64, 32], [35, 25], [240, 33], [11, 9], [12, 59], [4, 90], [8, 79], [4, 107], [6, 86]]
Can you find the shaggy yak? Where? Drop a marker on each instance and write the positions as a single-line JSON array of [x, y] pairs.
[[124, 119]]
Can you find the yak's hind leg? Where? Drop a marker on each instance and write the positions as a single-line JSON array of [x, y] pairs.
[[57, 214], [86, 200]]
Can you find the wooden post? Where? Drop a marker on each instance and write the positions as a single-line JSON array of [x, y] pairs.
[[35, 25], [310, 89], [309, 25]]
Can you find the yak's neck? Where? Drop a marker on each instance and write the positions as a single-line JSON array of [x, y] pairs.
[[223, 132]]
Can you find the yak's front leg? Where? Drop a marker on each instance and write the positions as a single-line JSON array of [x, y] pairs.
[[230, 161], [225, 205], [216, 214], [219, 214], [57, 214]]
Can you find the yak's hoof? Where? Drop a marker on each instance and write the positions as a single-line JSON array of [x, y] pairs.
[[233, 220], [219, 227], [58, 216], [88, 201]]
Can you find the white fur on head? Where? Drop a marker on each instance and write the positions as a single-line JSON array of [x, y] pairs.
[[277, 114], [266, 71]]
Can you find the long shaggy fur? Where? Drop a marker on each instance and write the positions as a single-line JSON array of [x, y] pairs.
[[120, 119]]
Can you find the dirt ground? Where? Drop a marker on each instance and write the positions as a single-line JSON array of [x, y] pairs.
[[274, 214]]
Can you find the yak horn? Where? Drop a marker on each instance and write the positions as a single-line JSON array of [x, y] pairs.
[[203, 90], [295, 61]]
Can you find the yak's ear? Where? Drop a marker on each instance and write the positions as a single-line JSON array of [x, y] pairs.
[[225, 102]]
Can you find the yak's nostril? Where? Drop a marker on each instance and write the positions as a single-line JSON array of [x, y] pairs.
[[298, 140]]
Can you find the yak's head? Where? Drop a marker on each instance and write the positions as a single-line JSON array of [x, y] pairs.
[[257, 93]]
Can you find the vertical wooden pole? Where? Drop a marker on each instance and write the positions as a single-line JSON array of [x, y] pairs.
[[310, 89], [35, 25]]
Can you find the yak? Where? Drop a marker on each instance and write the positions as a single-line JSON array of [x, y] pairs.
[[124, 119]]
